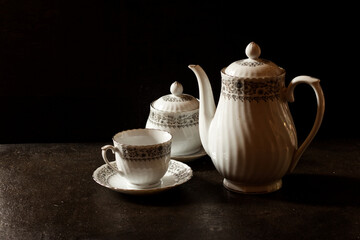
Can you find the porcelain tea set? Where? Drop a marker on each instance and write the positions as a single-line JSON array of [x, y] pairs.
[[250, 136]]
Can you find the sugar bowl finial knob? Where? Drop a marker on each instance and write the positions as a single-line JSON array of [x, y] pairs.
[[176, 89], [253, 51]]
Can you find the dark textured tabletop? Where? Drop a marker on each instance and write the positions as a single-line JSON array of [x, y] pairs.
[[47, 192]]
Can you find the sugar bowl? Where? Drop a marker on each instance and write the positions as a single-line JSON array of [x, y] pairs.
[[178, 114]]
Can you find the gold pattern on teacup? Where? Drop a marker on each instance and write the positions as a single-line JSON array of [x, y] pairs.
[[144, 153]]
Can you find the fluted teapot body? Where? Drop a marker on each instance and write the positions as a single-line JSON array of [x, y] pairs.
[[250, 136]]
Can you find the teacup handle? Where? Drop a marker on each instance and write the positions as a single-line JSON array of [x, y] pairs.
[[289, 94], [104, 150]]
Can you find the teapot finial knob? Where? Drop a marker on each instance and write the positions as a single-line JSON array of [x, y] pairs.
[[176, 88], [253, 51]]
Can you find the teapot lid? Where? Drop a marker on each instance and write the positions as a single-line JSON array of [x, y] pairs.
[[176, 101], [253, 66]]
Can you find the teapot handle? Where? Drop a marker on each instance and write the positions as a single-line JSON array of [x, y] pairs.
[[289, 95]]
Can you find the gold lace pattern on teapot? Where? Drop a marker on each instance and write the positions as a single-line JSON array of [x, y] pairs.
[[252, 90]]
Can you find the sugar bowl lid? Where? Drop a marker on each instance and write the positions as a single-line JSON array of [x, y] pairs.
[[253, 66], [177, 101]]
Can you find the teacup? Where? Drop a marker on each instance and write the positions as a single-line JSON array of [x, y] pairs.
[[142, 156]]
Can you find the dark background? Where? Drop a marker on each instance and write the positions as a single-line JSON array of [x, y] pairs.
[[81, 70]]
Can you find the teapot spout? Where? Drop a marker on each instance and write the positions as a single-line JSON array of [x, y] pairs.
[[207, 104]]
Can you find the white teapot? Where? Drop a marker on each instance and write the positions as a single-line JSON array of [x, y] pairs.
[[251, 137]]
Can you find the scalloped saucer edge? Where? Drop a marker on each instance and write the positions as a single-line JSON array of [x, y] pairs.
[[178, 173]]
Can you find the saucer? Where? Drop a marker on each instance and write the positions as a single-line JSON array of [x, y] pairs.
[[190, 157], [177, 174]]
